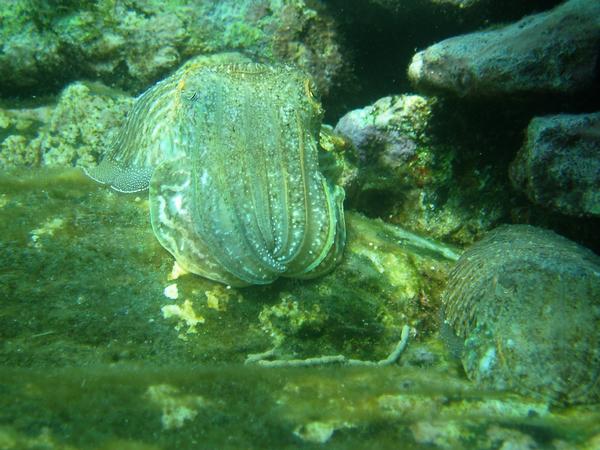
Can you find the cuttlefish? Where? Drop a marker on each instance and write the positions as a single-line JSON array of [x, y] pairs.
[[228, 149]]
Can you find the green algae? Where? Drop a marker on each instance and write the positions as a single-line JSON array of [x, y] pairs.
[[88, 359], [48, 43], [232, 407], [84, 272]]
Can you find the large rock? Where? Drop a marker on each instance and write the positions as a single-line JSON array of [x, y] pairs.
[[408, 174], [558, 167], [552, 52], [74, 131], [85, 252], [105, 345], [527, 303], [131, 44], [241, 407]]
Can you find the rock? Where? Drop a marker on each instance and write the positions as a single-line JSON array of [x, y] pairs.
[[554, 52], [383, 35], [387, 131], [131, 44], [17, 129], [409, 174], [558, 166], [74, 132], [82, 282], [233, 407], [527, 303], [95, 235]]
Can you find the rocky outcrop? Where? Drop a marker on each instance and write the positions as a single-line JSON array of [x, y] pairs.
[[407, 174], [73, 132], [103, 245], [131, 44], [558, 167], [554, 52]]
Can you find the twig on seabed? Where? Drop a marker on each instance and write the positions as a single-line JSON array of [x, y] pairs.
[[261, 358]]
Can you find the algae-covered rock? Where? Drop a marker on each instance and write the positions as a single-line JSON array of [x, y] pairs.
[[105, 343], [554, 52], [17, 129], [130, 44], [73, 132], [407, 173], [118, 297], [526, 301], [233, 407], [559, 164]]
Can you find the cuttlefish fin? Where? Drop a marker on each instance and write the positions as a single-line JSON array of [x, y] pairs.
[[149, 137]]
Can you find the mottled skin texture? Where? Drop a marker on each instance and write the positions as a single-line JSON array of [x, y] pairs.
[[527, 303], [229, 152]]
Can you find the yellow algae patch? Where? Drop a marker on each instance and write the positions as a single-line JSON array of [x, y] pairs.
[[3, 200], [176, 271], [397, 268], [47, 229], [219, 297], [176, 408], [171, 291], [186, 317]]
